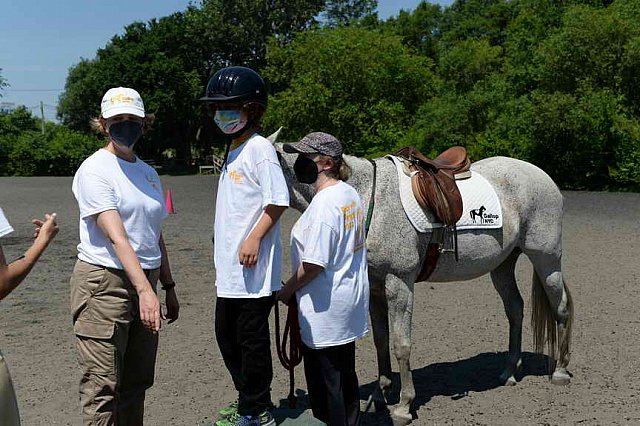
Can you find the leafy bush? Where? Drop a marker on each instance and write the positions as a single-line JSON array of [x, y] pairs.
[[59, 153]]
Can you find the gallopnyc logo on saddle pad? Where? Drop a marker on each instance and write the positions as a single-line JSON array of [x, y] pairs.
[[481, 216], [481, 207]]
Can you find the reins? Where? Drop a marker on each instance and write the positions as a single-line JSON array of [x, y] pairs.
[[292, 326], [372, 200], [292, 334]]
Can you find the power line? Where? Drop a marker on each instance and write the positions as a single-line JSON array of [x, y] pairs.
[[33, 90]]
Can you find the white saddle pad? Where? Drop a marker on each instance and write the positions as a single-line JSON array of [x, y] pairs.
[[481, 207]]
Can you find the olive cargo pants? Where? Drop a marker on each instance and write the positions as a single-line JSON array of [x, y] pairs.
[[116, 352]]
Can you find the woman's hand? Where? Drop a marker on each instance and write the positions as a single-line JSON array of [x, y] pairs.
[[248, 254], [173, 307], [149, 309], [46, 229]]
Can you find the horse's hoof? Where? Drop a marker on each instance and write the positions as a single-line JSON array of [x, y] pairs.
[[401, 418], [511, 381], [373, 405], [561, 378], [507, 379]]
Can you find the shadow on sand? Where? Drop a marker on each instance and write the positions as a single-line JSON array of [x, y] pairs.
[[454, 379]]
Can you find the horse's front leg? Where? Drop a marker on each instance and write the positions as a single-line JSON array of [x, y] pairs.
[[380, 324], [400, 305]]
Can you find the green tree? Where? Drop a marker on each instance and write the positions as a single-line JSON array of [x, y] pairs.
[[477, 19], [345, 12], [12, 125], [150, 58], [419, 29], [169, 61], [236, 31], [16, 122], [590, 47], [469, 62], [361, 85]]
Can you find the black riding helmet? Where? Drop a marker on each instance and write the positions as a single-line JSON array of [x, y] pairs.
[[233, 84]]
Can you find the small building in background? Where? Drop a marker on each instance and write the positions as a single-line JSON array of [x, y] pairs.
[[7, 107]]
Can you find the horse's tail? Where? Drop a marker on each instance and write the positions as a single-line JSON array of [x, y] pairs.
[[543, 321]]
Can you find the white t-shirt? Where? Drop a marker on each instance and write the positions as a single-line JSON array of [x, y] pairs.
[[333, 308], [106, 182], [5, 228], [251, 180]]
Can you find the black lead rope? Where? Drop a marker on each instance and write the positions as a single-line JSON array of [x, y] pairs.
[[292, 334]]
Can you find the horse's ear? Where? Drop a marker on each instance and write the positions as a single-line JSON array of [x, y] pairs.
[[274, 136]]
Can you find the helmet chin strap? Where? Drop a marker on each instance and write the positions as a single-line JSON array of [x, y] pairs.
[[236, 139], [249, 127]]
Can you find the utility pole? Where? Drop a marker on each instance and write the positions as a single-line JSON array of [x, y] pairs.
[[42, 115]]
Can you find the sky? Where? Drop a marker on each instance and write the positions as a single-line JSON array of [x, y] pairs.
[[41, 39]]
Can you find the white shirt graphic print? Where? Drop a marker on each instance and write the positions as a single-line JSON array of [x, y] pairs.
[[251, 180]]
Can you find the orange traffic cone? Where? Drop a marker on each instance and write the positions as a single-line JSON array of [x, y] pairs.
[[168, 201]]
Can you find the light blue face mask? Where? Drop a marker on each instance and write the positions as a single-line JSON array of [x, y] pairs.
[[230, 121]]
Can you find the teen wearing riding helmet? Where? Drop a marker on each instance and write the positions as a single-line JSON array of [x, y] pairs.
[[121, 256], [252, 195], [330, 281]]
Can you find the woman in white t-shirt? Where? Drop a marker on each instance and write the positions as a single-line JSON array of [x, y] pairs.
[[121, 256], [330, 281], [11, 275]]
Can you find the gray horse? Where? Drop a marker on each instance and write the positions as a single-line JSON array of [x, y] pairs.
[[532, 209]]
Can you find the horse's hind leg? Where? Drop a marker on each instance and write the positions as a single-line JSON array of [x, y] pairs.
[[552, 312], [504, 281], [400, 304], [380, 324]]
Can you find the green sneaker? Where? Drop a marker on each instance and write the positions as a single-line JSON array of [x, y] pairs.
[[232, 420], [266, 419], [229, 409]]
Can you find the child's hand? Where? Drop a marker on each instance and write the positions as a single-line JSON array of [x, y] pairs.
[[46, 229], [248, 254]]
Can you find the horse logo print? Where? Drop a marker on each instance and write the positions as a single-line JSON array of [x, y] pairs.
[[477, 213]]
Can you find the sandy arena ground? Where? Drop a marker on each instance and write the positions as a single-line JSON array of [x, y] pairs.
[[459, 331]]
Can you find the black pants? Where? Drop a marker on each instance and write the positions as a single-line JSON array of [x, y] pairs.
[[333, 384], [242, 332]]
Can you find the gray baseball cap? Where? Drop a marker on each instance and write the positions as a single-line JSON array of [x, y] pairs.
[[316, 143]]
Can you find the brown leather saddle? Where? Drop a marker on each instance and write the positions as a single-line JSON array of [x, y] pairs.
[[434, 181], [434, 185]]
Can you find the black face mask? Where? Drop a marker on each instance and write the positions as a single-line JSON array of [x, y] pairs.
[[306, 170], [125, 133]]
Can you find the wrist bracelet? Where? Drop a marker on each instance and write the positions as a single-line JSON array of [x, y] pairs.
[[168, 286]]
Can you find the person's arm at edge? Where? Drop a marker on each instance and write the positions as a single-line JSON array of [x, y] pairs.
[[11, 275], [111, 225], [171, 299]]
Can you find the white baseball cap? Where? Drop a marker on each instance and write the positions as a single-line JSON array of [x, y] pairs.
[[122, 100]]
